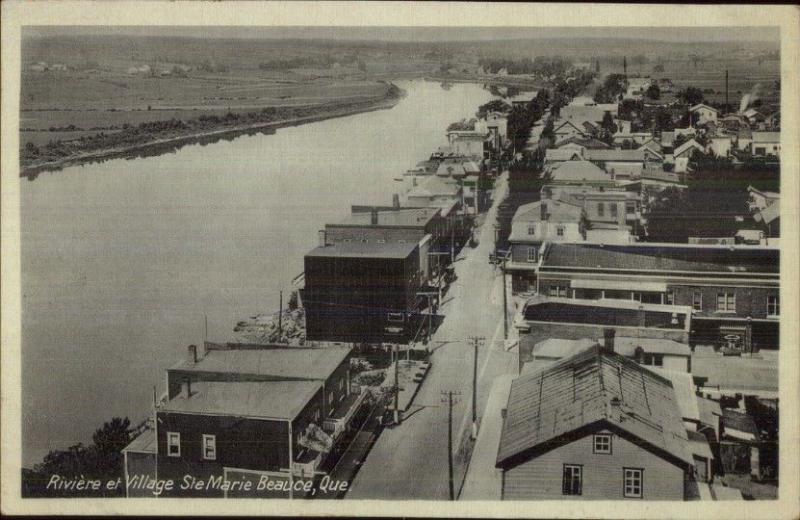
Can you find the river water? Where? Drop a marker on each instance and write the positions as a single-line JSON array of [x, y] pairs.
[[122, 260]]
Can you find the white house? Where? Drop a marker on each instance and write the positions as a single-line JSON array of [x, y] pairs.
[[720, 144], [704, 113], [767, 143]]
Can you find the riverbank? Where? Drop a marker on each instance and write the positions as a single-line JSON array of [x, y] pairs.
[[154, 139]]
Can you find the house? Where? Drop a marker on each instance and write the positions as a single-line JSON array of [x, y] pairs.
[[569, 129], [652, 352], [243, 411], [720, 145], [595, 426], [769, 219], [536, 223], [496, 125], [702, 113], [625, 164], [760, 199], [579, 172], [362, 291], [766, 143], [753, 116], [469, 143], [733, 291], [612, 208], [432, 191], [457, 167]]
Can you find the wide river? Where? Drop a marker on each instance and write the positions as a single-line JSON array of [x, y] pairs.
[[122, 260]]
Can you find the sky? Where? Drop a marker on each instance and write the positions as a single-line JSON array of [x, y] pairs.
[[400, 34]]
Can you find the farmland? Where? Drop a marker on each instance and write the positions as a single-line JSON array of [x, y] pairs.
[[80, 93]]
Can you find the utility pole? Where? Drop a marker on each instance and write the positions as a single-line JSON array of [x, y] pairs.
[[396, 384], [727, 106], [450, 402], [205, 337], [477, 341], [280, 317]]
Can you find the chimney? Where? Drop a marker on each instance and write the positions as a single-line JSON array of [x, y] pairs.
[[374, 217], [543, 207], [192, 354], [396, 201], [608, 340], [187, 387], [323, 238]]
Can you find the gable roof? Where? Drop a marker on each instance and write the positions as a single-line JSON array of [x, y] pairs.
[[595, 388], [701, 105], [770, 213], [585, 142], [569, 123], [691, 143], [577, 171], [557, 211]]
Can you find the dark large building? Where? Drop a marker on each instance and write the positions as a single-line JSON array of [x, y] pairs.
[[248, 411], [362, 292], [734, 292]]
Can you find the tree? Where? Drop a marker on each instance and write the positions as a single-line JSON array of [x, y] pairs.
[[691, 95], [653, 92], [495, 105], [607, 128], [663, 120]]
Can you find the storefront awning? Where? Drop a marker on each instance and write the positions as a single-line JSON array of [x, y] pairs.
[[620, 285]]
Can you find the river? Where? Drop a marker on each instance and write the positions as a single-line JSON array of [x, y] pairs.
[[123, 259]]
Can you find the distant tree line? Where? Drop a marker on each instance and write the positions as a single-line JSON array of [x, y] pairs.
[[316, 60], [543, 65]]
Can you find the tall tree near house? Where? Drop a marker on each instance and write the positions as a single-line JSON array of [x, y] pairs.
[[653, 92], [607, 128], [691, 95], [663, 121]]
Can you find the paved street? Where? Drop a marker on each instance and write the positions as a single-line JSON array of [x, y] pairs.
[[410, 460]]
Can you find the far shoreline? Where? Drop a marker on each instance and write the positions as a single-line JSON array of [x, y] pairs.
[[164, 145]]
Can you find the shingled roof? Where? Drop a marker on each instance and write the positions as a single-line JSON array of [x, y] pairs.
[[593, 389]]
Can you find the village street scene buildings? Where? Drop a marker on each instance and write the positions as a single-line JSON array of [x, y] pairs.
[[572, 293]]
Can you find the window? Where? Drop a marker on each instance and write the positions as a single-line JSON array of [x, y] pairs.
[[697, 300], [602, 444], [630, 207], [173, 444], [558, 291], [316, 417], [613, 208], [395, 317], [669, 298], [571, 480], [531, 230], [533, 254], [210, 447], [726, 302], [330, 403], [601, 209], [560, 231], [632, 485], [773, 306], [655, 360]]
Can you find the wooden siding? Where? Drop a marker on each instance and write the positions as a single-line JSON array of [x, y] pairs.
[[541, 477]]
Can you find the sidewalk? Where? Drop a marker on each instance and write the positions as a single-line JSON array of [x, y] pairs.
[[483, 480]]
